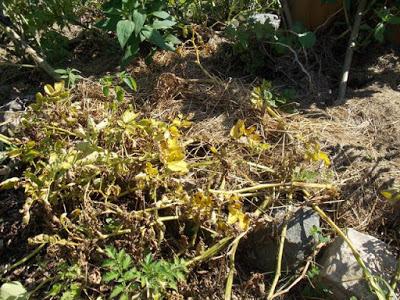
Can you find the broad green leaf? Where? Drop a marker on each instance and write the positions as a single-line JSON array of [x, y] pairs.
[[172, 39], [155, 38], [139, 20], [131, 83], [161, 14], [130, 52], [125, 29], [307, 39], [13, 291], [163, 24]]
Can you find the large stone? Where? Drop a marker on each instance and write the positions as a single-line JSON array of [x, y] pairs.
[[343, 275], [263, 244]]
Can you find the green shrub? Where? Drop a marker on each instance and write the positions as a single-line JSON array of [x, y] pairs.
[[135, 22]]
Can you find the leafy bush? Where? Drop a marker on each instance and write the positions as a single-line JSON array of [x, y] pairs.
[[255, 34], [135, 22], [37, 21]]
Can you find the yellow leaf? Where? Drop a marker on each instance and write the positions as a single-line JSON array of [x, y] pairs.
[[238, 130], [324, 157], [49, 89], [174, 131], [178, 166], [59, 87], [9, 183], [150, 170], [39, 97], [128, 116], [236, 215], [392, 195]]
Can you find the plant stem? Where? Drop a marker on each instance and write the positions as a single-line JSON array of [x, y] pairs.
[[229, 281], [14, 36], [350, 51], [210, 252], [274, 185], [279, 263], [25, 259], [373, 284]]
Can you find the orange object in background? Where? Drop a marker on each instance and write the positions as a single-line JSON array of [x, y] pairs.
[[313, 13]]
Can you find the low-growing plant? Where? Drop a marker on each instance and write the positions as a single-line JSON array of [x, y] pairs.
[[265, 95], [67, 286], [70, 75], [115, 84], [135, 22], [151, 279]]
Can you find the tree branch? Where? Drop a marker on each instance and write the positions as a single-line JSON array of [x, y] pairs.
[[39, 61]]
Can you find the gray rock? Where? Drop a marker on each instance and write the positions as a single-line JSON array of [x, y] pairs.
[[271, 19], [263, 244], [10, 115], [299, 239], [341, 272]]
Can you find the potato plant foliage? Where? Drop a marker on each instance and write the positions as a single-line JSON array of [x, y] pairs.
[[100, 177]]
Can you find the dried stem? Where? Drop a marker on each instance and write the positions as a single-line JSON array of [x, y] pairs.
[[373, 284], [279, 263]]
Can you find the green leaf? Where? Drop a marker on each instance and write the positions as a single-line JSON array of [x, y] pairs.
[[139, 20], [124, 297], [13, 291], [55, 289], [126, 262], [110, 276], [111, 252], [117, 290], [130, 52], [130, 275], [379, 32], [155, 38], [125, 29], [130, 82], [106, 91], [307, 39], [108, 263], [73, 293], [172, 39], [161, 14], [163, 24]]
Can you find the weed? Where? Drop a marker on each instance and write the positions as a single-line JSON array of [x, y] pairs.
[[152, 279]]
